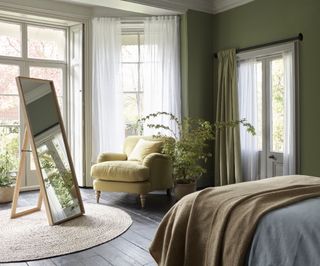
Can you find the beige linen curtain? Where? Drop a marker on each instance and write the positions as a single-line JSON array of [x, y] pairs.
[[227, 149]]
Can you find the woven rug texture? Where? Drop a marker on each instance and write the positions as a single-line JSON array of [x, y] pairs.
[[31, 237]]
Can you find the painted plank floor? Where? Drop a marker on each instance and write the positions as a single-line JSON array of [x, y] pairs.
[[131, 248]]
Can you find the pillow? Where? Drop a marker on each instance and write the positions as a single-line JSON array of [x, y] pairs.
[[143, 148]]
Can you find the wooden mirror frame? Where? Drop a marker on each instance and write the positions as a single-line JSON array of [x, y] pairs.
[[43, 192]]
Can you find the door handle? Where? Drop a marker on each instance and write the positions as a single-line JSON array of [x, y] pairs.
[[272, 157]]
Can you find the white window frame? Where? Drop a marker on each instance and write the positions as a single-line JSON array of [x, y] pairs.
[[266, 55], [135, 28]]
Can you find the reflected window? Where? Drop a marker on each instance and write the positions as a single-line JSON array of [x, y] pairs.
[[55, 169]]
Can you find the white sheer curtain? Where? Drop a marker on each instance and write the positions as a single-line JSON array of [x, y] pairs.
[[289, 154], [248, 109], [107, 120], [161, 68]]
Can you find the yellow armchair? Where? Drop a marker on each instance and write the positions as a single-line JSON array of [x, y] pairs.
[[115, 172]]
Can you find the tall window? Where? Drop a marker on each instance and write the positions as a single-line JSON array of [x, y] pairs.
[[132, 87], [267, 92], [33, 50]]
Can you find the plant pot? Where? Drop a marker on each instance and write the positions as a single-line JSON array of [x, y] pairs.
[[6, 194], [181, 190]]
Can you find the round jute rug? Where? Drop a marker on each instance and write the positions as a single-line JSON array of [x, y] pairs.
[[31, 238]]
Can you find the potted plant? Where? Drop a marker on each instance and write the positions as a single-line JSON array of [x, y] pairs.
[[188, 149], [6, 179]]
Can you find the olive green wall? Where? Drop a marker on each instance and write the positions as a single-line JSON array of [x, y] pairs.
[[268, 20], [197, 77], [199, 81]]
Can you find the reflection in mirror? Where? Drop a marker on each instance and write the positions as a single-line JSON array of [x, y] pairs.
[[57, 174], [62, 192]]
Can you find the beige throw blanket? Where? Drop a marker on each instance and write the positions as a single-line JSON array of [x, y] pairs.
[[215, 226]]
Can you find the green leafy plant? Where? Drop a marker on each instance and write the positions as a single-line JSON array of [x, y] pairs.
[[8, 155], [6, 166], [188, 149]]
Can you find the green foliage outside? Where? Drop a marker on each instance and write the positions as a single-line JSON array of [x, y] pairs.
[[278, 95], [189, 149], [8, 155], [60, 181], [5, 167]]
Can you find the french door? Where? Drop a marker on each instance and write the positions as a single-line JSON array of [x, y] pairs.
[[267, 99], [272, 116]]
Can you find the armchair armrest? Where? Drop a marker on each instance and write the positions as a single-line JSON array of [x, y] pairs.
[[103, 157], [160, 170], [153, 157]]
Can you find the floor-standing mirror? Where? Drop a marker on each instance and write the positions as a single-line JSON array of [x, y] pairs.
[[58, 183]]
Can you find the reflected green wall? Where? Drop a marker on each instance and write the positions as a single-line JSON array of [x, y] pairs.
[[268, 20]]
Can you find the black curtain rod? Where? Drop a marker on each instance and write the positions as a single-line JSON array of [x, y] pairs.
[[299, 37]]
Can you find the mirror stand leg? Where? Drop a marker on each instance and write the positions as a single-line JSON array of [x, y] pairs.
[[143, 200], [98, 194]]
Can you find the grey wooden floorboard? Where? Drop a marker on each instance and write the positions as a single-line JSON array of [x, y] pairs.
[[95, 260], [16, 264], [131, 248], [61, 260], [46, 262], [137, 239], [135, 252], [115, 256]]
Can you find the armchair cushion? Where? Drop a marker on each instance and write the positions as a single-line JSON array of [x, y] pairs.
[[124, 171], [143, 148]]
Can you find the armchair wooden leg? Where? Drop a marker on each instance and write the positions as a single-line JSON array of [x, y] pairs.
[[143, 200], [169, 192], [98, 194]]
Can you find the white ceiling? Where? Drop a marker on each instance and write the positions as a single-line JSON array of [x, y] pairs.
[[163, 7]]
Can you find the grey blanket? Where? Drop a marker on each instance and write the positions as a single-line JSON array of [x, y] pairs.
[[289, 236]]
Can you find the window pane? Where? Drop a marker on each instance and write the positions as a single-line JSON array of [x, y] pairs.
[[141, 46], [132, 111], [259, 105], [130, 108], [7, 79], [32, 163], [50, 73], [9, 110], [10, 39], [9, 148], [130, 77], [277, 105], [129, 48], [46, 43]]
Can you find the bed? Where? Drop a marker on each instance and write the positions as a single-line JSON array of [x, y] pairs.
[[274, 221]]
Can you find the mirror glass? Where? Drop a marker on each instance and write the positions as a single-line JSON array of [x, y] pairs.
[[46, 126]]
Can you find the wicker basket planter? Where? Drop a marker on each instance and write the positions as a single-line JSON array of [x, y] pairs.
[[6, 194]]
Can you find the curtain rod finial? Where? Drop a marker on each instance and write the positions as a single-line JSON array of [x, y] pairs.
[[300, 36]]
